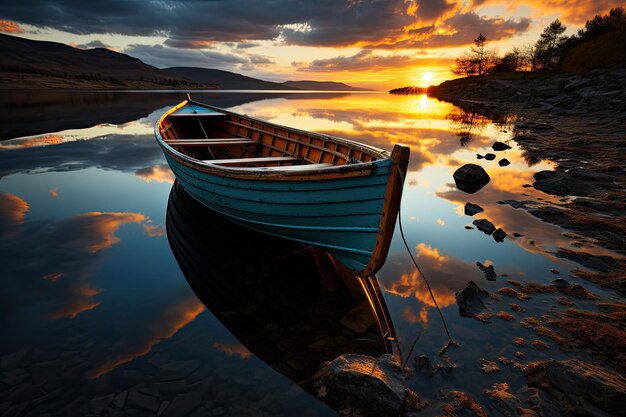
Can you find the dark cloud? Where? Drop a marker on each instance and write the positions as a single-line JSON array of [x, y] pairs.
[[93, 44], [187, 22], [163, 56], [260, 60], [431, 10], [190, 24], [247, 45]]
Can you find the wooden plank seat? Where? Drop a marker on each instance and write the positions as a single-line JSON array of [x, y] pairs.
[[253, 161], [308, 167], [210, 142]]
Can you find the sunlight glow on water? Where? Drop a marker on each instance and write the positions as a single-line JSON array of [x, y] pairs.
[[89, 272]]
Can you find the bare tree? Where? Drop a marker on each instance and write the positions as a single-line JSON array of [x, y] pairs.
[[475, 62]]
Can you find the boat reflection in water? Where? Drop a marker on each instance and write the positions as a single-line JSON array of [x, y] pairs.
[[288, 304]]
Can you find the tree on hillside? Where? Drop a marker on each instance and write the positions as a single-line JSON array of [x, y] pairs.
[[547, 48], [475, 62]]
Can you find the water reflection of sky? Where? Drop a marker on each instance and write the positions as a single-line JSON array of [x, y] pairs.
[[87, 267]]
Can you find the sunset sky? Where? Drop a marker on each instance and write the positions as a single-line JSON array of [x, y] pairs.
[[368, 43]]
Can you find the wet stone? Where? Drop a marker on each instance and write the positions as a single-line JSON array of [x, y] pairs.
[[177, 370], [14, 377], [471, 300], [490, 157], [471, 178], [183, 404], [139, 399], [99, 403], [375, 386], [120, 399], [12, 360], [468, 227], [499, 235], [484, 226], [488, 271], [499, 146], [471, 209], [504, 162], [560, 282], [556, 272]]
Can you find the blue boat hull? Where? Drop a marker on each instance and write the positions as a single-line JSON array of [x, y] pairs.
[[339, 215]]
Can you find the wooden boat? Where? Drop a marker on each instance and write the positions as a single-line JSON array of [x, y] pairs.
[[311, 188]]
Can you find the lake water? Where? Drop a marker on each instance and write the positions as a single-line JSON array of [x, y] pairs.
[[97, 308]]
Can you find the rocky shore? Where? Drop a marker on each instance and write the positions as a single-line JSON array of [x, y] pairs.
[[578, 122]]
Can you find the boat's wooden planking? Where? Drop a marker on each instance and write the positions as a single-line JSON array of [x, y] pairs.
[[302, 186]]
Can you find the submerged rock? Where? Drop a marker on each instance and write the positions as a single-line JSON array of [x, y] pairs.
[[375, 386], [471, 209], [471, 178], [577, 386], [488, 271], [484, 226], [471, 300], [499, 146]]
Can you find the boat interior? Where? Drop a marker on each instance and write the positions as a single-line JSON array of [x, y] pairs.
[[232, 140]]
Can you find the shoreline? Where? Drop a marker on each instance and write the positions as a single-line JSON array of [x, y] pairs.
[[578, 122]]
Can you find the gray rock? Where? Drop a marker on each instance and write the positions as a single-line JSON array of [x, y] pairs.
[[471, 178], [499, 235], [375, 386], [499, 146], [99, 403], [471, 209], [120, 399], [504, 162], [177, 370], [484, 226], [579, 384], [12, 360], [488, 271], [139, 399], [560, 282], [471, 300], [183, 404]]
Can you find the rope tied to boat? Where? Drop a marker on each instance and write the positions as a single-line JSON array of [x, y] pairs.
[[451, 341]]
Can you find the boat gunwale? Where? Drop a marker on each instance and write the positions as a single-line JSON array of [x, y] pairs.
[[261, 173]]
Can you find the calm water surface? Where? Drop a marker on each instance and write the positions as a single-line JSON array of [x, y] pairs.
[[97, 309]]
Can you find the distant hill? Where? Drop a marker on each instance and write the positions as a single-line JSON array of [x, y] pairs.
[[230, 80], [322, 85], [225, 79], [37, 64]]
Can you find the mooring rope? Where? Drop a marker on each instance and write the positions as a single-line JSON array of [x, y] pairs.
[[451, 342]]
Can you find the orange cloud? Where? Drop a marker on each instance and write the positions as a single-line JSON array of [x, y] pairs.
[[95, 231], [12, 210], [232, 350], [33, 142], [158, 173], [165, 326], [7, 26], [79, 303], [152, 230]]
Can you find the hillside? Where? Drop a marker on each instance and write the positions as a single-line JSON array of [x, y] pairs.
[[38, 64], [225, 79], [322, 85], [607, 52]]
